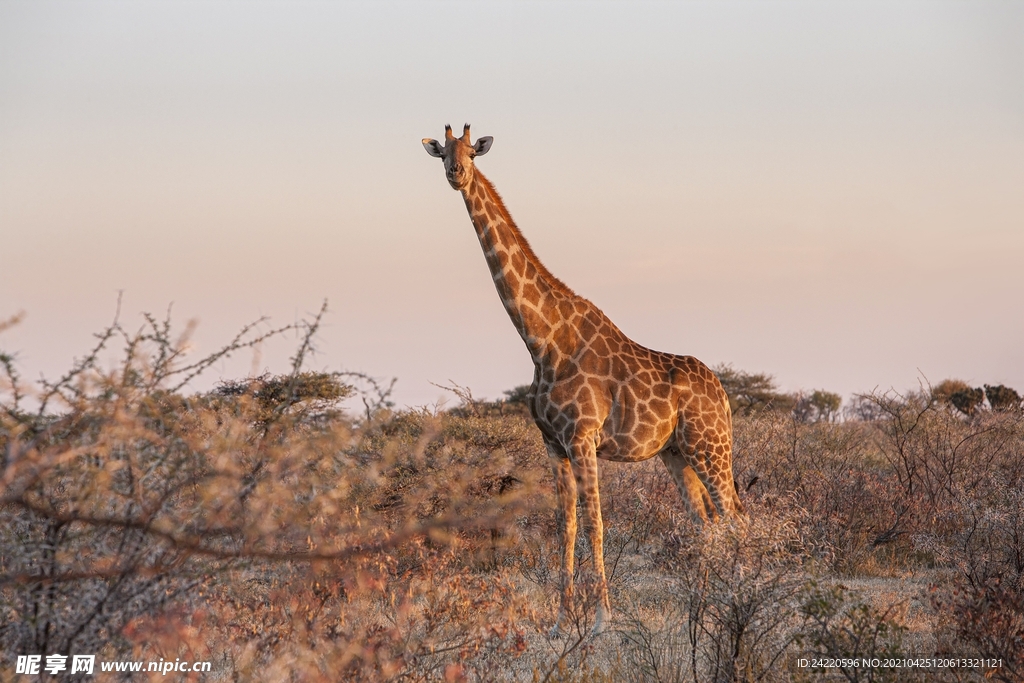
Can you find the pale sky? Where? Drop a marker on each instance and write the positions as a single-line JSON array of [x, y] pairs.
[[831, 193]]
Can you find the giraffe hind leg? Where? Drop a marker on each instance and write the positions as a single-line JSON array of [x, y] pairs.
[[710, 456], [695, 495], [736, 502]]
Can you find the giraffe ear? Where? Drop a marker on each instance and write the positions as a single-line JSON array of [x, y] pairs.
[[482, 145], [433, 147]]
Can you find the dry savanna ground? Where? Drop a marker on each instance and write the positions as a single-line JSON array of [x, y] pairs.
[[261, 528]]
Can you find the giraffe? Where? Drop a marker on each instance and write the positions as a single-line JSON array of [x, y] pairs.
[[595, 393]]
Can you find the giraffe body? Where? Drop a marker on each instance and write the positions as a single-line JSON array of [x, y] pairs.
[[596, 393]]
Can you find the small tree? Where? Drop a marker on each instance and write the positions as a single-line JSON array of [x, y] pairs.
[[944, 390], [820, 406], [967, 400], [311, 395], [826, 404], [751, 392], [1002, 398]]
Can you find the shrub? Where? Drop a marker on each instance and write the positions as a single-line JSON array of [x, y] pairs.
[[837, 625], [819, 406], [1002, 398], [728, 612], [304, 543], [944, 390], [261, 526], [984, 542], [750, 392], [967, 400]]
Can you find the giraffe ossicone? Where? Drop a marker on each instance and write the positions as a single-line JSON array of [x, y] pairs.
[[596, 393]]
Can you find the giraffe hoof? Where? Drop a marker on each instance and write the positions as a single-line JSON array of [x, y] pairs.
[[601, 623]]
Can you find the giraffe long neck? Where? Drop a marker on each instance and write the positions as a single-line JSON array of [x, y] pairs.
[[530, 293]]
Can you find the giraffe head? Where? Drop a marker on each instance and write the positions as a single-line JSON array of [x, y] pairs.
[[457, 154]]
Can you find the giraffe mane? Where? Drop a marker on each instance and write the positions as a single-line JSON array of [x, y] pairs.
[[521, 239]]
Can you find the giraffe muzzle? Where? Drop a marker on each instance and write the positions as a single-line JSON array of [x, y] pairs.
[[456, 174]]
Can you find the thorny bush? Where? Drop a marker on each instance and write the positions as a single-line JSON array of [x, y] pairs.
[[260, 526], [255, 524]]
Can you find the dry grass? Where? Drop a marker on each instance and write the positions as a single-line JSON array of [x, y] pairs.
[[260, 527]]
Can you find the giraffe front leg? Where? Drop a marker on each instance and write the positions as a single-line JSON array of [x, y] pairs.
[[584, 462], [565, 515]]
